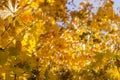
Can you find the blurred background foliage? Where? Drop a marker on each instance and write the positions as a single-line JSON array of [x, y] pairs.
[[44, 40]]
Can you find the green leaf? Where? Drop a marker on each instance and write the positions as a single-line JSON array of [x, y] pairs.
[[27, 67], [13, 51], [3, 57]]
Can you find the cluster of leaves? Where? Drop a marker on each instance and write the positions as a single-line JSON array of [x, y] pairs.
[[34, 47]]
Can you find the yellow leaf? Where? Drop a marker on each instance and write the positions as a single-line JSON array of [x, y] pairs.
[[73, 56], [80, 48], [51, 1], [34, 4], [113, 71], [22, 3]]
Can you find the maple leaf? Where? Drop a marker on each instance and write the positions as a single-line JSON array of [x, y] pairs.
[[9, 10]]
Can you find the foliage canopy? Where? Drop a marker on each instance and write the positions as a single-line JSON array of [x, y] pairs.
[[33, 46]]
